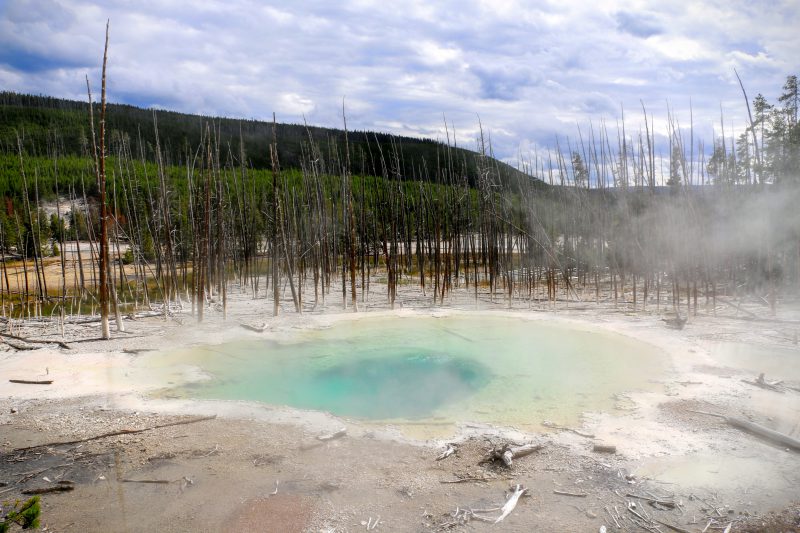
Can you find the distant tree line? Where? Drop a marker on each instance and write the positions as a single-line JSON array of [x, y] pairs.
[[768, 150], [346, 210], [60, 124]]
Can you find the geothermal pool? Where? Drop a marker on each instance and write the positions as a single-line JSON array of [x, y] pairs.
[[430, 371]]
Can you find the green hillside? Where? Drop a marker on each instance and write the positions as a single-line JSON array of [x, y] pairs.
[[45, 123]]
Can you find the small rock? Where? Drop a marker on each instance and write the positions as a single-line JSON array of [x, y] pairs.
[[13, 410], [591, 514]]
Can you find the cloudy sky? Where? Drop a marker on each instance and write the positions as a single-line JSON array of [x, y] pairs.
[[528, 70]]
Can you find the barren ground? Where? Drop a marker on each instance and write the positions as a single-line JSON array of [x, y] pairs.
[[262, 468]]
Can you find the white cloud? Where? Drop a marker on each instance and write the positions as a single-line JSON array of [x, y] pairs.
[[529, 71], [294, 104]]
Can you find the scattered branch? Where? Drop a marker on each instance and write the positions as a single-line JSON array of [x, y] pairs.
[[508, 453], [35, 341], [116, 433], [575, 494], [32, 381]]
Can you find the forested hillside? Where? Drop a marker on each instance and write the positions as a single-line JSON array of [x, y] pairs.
[[191, 208], [49, 125]]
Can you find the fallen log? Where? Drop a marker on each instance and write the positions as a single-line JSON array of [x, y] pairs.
[[22, 347], [32, 381], [465, 480], [322, 439], [48, 490], [116, 433], [764, 432], [335, 435], [99, 339], [257, 329], [35, 341], [508, 453], [763, 385], [757, 429], [137, 351]]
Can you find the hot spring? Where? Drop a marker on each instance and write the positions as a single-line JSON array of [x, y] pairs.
[[430, 371]]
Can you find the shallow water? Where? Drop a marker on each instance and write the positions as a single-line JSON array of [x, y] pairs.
[[431, 371], [777, 362], [729, 476]]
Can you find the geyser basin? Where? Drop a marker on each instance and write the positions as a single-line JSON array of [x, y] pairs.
[[498, 370]]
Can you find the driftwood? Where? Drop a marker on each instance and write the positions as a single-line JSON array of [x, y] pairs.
[[136, 351], [671, 526], [769, 434], [322, 439], [99, 339], [257, 329], [184, 482], [32, 381], [47, 490], [614, 518], [22, 347], [508, 453], [116, 433], [757, 429], [632, 510], [553, 425], [335, 435], [760, 381], [451, 449], [462, 515], [511, 503], [35, 341], [575, 494], [654, 501], [465, 480]]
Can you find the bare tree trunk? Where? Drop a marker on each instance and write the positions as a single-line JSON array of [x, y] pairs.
[[100, 166], [351, 218]]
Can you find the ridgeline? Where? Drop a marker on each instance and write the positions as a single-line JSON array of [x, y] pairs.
[[47, 125]]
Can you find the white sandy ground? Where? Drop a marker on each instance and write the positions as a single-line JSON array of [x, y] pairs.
[[655, 434]]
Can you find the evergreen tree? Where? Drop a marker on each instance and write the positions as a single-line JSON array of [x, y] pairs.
[[790, 160], [675, 168], [579, 171]]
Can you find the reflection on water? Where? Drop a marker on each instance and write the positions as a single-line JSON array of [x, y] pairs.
[[484, 369]]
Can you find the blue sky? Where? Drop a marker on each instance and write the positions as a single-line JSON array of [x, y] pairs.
[[528, 70]]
